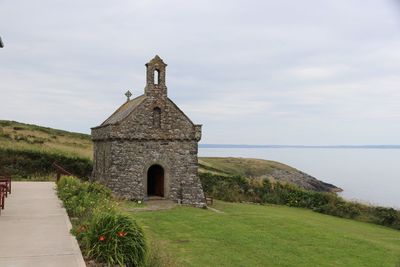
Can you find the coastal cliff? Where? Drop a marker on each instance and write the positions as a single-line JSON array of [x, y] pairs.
[[264, 169]]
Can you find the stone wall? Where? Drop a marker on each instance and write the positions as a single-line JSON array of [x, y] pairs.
[[126, 176], [101, 160]]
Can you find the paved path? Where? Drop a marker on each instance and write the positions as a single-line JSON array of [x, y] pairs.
[[34, 229]]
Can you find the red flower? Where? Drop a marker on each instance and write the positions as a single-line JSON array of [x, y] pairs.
[[102, 238], [122, 234]]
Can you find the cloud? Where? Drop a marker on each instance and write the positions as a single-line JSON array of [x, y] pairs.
[[295, 70], [316, 73]]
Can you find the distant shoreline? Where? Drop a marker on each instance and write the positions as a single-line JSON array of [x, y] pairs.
[[301, 146]]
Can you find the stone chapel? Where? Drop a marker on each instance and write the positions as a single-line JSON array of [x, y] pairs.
[[148, 146]]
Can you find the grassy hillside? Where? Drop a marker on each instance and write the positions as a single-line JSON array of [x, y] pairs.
[[240, 166], [23, 137], [257, 235], [30, 147], [28, 151]]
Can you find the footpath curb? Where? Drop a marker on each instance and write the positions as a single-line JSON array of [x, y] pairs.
[[80, 262]]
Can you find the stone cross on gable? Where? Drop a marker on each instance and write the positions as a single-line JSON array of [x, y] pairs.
[[128, 94]]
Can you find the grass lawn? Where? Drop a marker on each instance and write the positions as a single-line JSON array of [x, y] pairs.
[[253, 235]]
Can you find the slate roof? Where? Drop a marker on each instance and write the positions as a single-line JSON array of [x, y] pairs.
[[123, 111]]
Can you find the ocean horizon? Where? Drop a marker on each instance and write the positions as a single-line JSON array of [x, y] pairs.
[[299, 146], [367, 174]]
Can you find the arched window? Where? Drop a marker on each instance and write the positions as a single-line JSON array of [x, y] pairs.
[[156, 76], [157, 117]]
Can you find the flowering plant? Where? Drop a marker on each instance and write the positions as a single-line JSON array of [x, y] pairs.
[[115, 239]]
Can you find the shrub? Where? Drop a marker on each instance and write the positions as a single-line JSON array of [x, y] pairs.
[[99, 189], [114, 238], [67, 187], [228, 188], [341, 208], [82, 198], [387, 216], [28, 163], [104, 233]]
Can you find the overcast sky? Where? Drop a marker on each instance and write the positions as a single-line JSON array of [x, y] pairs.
[[252, 72]]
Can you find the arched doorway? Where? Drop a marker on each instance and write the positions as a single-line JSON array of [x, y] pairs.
[[155, 181]]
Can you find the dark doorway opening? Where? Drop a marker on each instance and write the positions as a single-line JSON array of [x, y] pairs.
[[155, 181]]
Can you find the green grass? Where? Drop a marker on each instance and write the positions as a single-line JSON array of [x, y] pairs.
[[255, 235], [127, 205], [28, 137], [252, 168]]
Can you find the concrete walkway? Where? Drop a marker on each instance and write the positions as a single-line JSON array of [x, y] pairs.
[[34, 229]]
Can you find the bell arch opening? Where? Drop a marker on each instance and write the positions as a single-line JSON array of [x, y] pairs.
[[155, 181], [156, 76]]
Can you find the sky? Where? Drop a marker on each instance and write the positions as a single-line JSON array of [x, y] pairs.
[[288, 72]]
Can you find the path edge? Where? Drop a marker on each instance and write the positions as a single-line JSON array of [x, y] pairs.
[[77, 250]]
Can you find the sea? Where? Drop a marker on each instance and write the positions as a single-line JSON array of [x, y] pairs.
[[369, 175]]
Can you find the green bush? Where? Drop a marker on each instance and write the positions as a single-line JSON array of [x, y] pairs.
[[115, 239], [67, 187], [341, 208], [387, 216], [82, 198], [104, 233], [229, 188], [35, 163], [237, 188], [290, 195]]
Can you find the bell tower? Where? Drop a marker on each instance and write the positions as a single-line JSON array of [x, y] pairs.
[[155, 78]]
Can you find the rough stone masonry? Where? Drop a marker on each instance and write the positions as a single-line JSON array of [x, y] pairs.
[[148, 146]]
